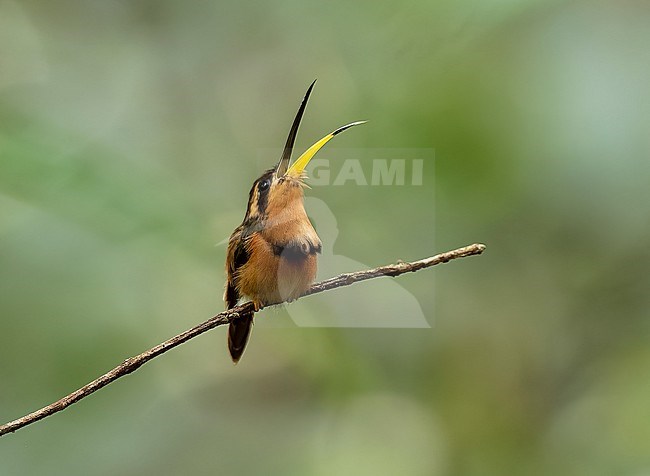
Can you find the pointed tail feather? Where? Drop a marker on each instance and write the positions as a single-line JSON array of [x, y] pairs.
[[238, 332]]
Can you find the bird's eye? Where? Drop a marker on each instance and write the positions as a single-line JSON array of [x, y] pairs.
[[264, 184]]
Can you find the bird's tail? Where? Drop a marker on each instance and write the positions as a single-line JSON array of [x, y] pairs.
[[238, 332]]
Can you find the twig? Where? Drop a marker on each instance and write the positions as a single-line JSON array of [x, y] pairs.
[[133, 363]]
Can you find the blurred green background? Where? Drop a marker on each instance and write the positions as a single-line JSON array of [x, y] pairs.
[[130, 133]]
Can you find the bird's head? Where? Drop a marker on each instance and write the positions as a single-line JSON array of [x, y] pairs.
[[280, 189]]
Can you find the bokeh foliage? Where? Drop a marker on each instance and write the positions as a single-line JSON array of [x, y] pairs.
[[130, 133]]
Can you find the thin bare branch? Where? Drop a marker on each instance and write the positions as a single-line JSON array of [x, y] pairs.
[[133, 363]]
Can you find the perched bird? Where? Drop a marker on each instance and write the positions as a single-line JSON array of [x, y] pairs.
[[272, 255]]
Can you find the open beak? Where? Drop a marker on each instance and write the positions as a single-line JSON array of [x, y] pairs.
[[298, 167]]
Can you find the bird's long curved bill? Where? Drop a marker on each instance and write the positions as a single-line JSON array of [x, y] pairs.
[[283, 164], [298, 167]]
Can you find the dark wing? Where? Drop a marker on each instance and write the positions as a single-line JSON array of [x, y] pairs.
[[239, 330], [237, 257]]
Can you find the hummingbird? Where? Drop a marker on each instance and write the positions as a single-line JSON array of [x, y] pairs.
[[272, 254]]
